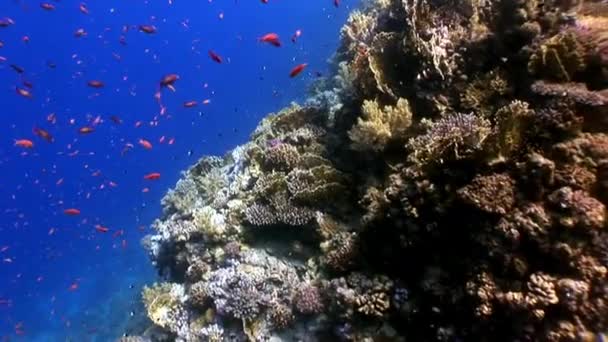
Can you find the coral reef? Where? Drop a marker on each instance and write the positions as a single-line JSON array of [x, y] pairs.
[[478, 213]]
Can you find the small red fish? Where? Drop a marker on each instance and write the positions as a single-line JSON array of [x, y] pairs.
[[149, 29], [101, 229], [71, 212], [43, 134], [24, 143], [271, 38], [336, 3], [73, 287], [145, 144], [264, 1], [24, 92], [152, 176], [190, 104], [86, 130], [297, 70], [168, 81], [215, 57], [47, 6], [95, 84]]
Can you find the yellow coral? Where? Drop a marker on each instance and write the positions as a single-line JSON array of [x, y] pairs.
[[560, 58], [161, 302], [377, 127]]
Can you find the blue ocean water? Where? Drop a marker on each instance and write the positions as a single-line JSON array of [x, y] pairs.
[[61, 279]]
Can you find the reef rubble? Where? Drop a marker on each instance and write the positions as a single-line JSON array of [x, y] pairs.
[[476, 212]]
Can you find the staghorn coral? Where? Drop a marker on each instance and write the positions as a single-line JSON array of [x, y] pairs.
[[452, 137], [379, 126]]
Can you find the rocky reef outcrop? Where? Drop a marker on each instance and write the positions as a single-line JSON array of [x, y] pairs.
[[449, 182]]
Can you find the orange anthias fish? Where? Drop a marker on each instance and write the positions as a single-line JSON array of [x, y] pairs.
[[215, 57], [95, 84], [145, 144], [271, 38], [152, 176], [24, 92], [101, 229], [297, 70], [47, 6], [190, 104], [168, 81], [43, 134], [86, 130], [149, 29], [25, 143], [72, 212]]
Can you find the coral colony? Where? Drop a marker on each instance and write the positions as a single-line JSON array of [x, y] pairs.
[[449, 183]]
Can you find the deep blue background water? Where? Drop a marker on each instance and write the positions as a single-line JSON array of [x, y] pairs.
[[45, 251]]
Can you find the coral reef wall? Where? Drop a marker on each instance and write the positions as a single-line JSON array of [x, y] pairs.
[[449, 183]]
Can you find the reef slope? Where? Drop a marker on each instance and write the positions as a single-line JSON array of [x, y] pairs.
[[449, 182]]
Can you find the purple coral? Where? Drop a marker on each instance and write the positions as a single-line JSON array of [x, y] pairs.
[[307, 299]]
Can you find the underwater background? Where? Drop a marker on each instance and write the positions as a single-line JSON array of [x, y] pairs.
[[60, 278]]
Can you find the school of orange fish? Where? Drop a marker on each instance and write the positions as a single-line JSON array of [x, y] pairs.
[[26, 145]]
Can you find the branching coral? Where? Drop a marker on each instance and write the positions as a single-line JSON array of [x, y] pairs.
[[559, 58], [282, 157], [512, 124], [359, 294], [379, 126], [455, 136], [307, 299], [340, 252]]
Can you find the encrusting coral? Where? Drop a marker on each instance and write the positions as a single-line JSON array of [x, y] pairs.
[[480, 214]]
